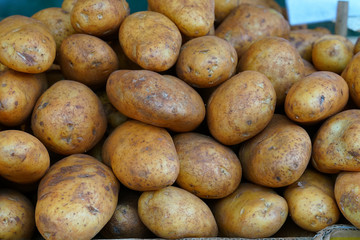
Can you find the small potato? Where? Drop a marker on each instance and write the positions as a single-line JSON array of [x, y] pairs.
[[98, 17], [18, 95], [76, 198], [241, 107], [316, 97], [69, 118], [332, 53], [206, 61], [194, 18], [336, 146], [248, 23], [277, 156], [17, 215], [27, 45], [68, 5], [351, 74], [87, 59], [251, 211], [160, 100], [207, 168], [151, 40], [172, 212]]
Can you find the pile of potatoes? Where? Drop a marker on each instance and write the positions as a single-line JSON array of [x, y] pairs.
[[197, 118]]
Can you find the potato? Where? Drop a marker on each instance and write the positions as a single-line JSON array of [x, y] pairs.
[[194, 18], [251, 211], [172, 212], [58, 22], [98, 17], [347, 196], [206, 61], [278, 60], [18, 95], [351, 74], [311, 201], [163, 101], [316, 97], [68, 5], [143, 157], [332, 53], [151, 40], [241, 107], [248, 23], [68, 118], [207, 168], [76, 198], [277, 156], [336, 146], [26, 44], [16, 214], [87, 59]]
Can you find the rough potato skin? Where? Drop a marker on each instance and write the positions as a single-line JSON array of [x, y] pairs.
[[76, 198], [351, 74]]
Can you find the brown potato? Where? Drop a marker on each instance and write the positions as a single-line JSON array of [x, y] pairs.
[[207, 168], [17, 215], [163, 101], [311, 201], [251, 211], [18, 95], [278, 60], [151, 40], [277, 156], [172, 212], [87, 59], [98, 17], [241, 107], [143, 157], [76, 198], [316, 97], [27, 44], [336, 144], [248, 23], [206, 61], [351, 74], [68, 118], [194, 18]]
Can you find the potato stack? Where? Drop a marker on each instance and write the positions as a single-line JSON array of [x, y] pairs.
[[197, 118]]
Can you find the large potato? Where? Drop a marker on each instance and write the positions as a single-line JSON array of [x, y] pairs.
[[76, 198], [173, 212], [241, 107], [27, 45], [351, 74], [68, 118], [194, 18], [151, 40], [163, 101]]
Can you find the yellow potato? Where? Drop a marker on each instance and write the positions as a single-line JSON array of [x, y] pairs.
[[351, 74], [68, 5]]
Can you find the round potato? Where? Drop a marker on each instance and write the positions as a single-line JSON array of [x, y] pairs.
[[277, 156], [172, 212], [16, 214], [87, 59], [27, 45], [316, 97], [98, 17], [206, 61], [351, 74], [241, 107], [251, 211], [151, 40], [68, 118], [207, 168], [163, 101]]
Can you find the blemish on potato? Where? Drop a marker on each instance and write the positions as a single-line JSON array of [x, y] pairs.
[[93, 210], [28, 59]]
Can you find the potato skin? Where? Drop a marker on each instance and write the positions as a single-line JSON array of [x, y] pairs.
[[151, 40], [16, 214], [173, 212], [160, 100], [351, 75], [252, 211], [76, 198], [241, 107], [27, 44]]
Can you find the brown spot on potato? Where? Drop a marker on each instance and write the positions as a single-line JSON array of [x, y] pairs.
[[59, 179], [354, 154], [93, 210], [86, 175], [28, 59]]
